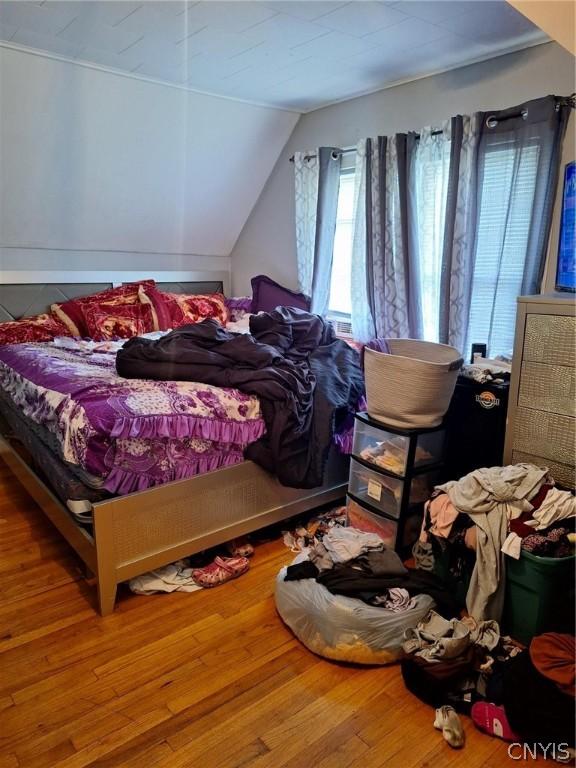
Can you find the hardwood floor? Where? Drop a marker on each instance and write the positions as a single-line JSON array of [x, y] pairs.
[[211, 679]]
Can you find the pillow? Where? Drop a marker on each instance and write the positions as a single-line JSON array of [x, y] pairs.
[[268, 294], [171, 310], [42, 327], [238, 307], [106, 322], [70, 312]]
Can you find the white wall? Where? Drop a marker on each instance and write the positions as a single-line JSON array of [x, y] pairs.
[[143, 174], [267, 242]]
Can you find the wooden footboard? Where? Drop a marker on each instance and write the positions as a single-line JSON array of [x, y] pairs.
[[145, 530]]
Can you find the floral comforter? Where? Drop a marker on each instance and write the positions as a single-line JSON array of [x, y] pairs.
[[127, 434]]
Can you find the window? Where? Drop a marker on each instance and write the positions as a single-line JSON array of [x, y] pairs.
[[507, 185], [340, 300], [506, 194]]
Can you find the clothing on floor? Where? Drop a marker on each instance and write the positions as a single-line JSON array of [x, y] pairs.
[[304, 570], [351, 582], [385, 562], [438, 638], [553, 655], [535, 707], [491, 497], [447, 721], [395, 599], [176, 577], [423, 556], [340, 545], [445, 682]]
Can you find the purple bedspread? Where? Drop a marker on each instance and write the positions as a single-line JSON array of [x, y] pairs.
[[128, 434]]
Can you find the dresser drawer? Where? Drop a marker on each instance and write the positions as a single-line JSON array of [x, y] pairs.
[[550, 388], [548, 435], [550, 339]]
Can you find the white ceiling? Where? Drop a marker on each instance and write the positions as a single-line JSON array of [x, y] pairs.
[[294, 54]]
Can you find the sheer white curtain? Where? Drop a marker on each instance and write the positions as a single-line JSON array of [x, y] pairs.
[[428, 182], [306, 175], [362, 322]]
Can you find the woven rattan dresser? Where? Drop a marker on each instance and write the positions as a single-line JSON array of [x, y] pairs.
[[541, 426]]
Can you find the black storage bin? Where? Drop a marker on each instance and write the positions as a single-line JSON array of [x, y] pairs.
[[475, 427]]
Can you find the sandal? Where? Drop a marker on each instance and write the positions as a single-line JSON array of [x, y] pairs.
[[220, 571], [492, 720], [240, 547]]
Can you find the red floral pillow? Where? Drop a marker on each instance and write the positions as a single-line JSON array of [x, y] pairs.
[[171, 310], [105, 322], [37, 328], [71, 312]]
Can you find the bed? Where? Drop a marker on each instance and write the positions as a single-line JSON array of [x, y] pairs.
[[150, 525]]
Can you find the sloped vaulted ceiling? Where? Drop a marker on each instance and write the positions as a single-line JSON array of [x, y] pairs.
[[96, 161]]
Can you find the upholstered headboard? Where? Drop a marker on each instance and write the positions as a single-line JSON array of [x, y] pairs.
[[23, 299]]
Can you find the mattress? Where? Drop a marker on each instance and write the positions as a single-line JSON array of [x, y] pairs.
[[125, 435], [32, 442]]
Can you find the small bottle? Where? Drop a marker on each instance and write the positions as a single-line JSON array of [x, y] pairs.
[[478, 350]]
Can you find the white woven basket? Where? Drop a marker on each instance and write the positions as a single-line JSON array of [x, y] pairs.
[[411, 387]]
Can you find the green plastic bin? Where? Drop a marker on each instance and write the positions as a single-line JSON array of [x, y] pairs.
[[539, 596]]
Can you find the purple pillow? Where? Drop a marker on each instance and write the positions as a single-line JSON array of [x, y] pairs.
[[268, 294]]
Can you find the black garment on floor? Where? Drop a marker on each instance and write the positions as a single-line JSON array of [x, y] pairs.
[[535, 707], [382, 562], [299, 571], [307, 381], [347, 580], [450, 681]]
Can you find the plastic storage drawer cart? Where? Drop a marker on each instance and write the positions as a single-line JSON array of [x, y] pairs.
[[539, 596], [392, 473]]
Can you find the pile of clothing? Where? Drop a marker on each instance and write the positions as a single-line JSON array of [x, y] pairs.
[[492, 512], [522, 696], [451, 661], [308, 532], [348, 597], [356, 564]]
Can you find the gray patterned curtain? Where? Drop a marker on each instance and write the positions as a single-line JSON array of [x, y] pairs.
[[316, 185], [459, 232], [516, 178], [448, 268], [384, 276], [329, 165]]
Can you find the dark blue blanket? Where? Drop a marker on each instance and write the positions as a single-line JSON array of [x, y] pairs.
[[307, 381]]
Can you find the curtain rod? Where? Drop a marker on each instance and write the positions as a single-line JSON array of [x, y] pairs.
[[491, 121], [348, 151]]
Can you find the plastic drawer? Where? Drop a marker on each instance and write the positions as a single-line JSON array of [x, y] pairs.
[[364, 520], [377, 489], [384, 492], [389, 451]]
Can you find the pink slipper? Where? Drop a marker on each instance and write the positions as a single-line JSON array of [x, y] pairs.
[[220, 571], [492, 719]]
